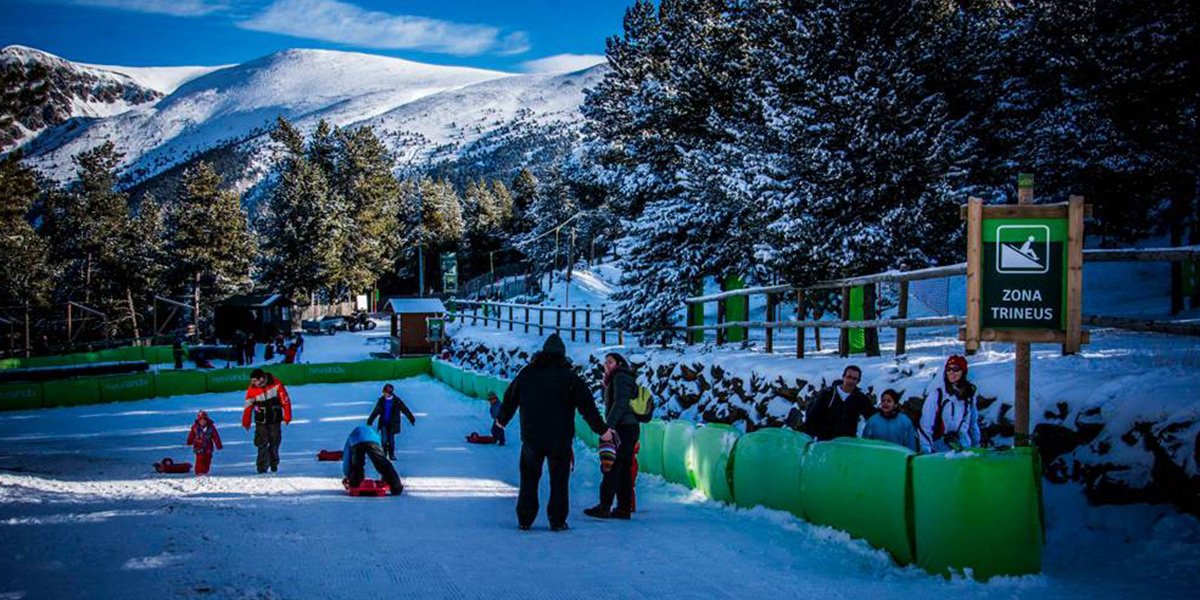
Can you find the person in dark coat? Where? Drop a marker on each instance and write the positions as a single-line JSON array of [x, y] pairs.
[[620, 387], [494, 410], [837, 409], [388, 409], [237, 346], [363, 443], [548, 392]]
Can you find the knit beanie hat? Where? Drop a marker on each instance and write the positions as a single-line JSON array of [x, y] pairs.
[[608, 455], [957, 361]]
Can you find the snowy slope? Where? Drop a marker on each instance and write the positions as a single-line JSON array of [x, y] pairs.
[[238, 102], [82, 513], [161, 79]]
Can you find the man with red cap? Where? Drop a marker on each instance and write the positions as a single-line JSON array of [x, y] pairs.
[[950, 419]]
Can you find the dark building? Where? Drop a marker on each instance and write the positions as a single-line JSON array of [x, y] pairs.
[[410, 329], [260, 315]]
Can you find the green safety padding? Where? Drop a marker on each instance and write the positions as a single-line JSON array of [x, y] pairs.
[[229, 380], [82, 358], [472, 382], [585, 433], [120, 355], [711, 457], [411, 367], [501, 387], [677, 443], [858, 337], [992, 502], [122, 388], [289, 374], [20, 396], [650, 456], [327, 373], [71, 392], [48, 361], [10, 363], [181, 382], [457, 375], [766, 469], [437, 369], [862, 488], [159, 354]]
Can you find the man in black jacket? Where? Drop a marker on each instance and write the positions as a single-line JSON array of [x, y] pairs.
[[836, 410], [548, 392]]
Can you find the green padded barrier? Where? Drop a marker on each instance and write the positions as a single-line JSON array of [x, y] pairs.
[[20, 396], [159, 355], [289, 374], [992, 502], [230, 380], [411, 367], [122, 388], [327, 373], [372, 370], [119, 355], [585, 433], [457, 376], [766, 469], [858, 337], [48, 361], [862, 488], [435, 370], [471, 381], [677, 443], [181, 382], [650, 456], [10, 363], [71, 392], [500, 386], [711, 457]]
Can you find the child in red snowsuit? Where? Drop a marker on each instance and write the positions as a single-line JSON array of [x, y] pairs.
[[203, 438]]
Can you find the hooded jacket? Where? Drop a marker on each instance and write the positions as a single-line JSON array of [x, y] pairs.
[[548, 392], [363, 434], [829, 417], [620, 390], [388, 413], [269, 404], [960, 417], [203, 438]]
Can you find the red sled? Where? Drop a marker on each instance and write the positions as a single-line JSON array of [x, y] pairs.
[[475, 438], [169, 466], [367, 487], [329, 455]]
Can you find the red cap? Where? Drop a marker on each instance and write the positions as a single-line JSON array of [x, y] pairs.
[[957, 361]]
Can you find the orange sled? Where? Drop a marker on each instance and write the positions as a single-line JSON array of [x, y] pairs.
[[329, 455], [169, 466]]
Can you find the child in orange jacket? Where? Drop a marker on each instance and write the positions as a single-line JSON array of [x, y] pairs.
[[204, 439]]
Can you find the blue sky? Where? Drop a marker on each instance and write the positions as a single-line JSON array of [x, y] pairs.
[[517, 35]]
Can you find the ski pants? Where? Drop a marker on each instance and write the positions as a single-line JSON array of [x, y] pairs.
[[203, 462], [267, 437], [358, 462], [389, 439], [618, 481], [559, 458]]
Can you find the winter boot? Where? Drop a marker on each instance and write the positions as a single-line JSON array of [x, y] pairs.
[[559, 526], [599, 512], [621, 513]]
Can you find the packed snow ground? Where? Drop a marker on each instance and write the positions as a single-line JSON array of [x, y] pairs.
[[82, 514]]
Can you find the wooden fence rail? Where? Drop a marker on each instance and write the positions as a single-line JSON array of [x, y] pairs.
[[579, 319]]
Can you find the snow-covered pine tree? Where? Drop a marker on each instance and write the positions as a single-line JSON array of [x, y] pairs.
[[25, 274], [553, 205], [210, 247], [370, 195], [524, 194]]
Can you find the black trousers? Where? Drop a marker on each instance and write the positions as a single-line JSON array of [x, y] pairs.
[[532, 457], [267, 437], [618, 481], [358, 462]]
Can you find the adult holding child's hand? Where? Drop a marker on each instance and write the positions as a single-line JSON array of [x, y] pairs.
[[620, 388]]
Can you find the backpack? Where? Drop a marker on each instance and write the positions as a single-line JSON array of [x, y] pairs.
[[642, 405]]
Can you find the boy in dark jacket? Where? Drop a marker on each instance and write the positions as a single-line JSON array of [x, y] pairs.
[[388, 409], [204, 439], [494, 410]]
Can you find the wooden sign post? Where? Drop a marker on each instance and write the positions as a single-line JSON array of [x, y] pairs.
[[1025, 281]]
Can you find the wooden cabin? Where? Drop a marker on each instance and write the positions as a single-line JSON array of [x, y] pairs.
[[260, 315], [410, 328]]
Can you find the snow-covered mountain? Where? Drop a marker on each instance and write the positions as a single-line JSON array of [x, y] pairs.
[[41, 91], [426, 114]]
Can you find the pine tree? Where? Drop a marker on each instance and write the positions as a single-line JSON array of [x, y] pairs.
[[25, 275], [370, 196], [210, 249], [524, 194]]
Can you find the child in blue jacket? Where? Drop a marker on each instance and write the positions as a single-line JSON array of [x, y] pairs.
[[891, 425]]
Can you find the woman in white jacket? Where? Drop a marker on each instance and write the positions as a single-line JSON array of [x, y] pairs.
[[949, 419]]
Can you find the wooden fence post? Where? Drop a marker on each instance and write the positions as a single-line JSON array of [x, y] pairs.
[[526, 319], [1074, 275], [801, 315], [870, 303], [902, 312], [510, 317], [574, 313], [844, 333], [720, 320], [587, 322], [558, 322], [770, 319], [974, 268], [541, 319]]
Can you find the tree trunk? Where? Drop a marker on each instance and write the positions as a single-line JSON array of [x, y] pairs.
[[132, 313], [196, 306], [27, 345], [87, 281]]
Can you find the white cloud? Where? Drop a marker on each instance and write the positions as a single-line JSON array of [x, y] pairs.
[[334, 21], [178, 8], [562, 63]]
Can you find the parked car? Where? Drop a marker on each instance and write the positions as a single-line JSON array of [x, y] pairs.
[[328, 324]]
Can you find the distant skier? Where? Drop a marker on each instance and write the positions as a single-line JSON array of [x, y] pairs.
[[891, 425], [204, 439], [268, 400], [950, 419], [388, 409], [362, 443]]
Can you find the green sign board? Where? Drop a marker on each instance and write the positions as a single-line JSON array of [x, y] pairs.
[[449, 272], [1024, 274], [436, 328]]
